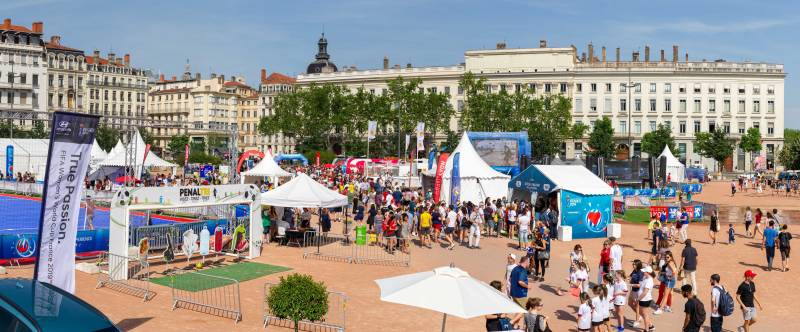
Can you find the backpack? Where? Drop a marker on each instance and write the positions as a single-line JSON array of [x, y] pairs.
[[532, 323], [783, 239], [699, 316], [725, 305]]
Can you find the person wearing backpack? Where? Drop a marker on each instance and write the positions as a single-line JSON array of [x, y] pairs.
[[695, 312], [784, 239], [721, 303], [535, 322]]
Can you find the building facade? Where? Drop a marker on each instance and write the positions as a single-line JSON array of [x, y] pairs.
[[271, 86], [687, 96], [66, 77], [193, 106], [23, 88], [116, 90]]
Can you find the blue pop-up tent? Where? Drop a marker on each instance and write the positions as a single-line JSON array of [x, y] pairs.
[[584, 200]]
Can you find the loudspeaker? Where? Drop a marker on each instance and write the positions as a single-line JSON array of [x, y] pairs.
[[636, 168], [601, 168], [662, 169], [651, 171], [524, 162]]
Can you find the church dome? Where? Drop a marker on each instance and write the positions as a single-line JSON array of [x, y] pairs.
[[322, 64]]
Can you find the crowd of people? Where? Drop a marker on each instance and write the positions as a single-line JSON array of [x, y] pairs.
[[26, 177], [760, 184]]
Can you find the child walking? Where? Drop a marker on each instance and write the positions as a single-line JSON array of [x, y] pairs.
[[731, 234]]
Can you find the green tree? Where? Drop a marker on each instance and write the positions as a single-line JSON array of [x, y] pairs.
[[790, 134], [107, 137], [147, 137], [751, 142], [715, 145], [298, 297], [176, 147], [578, 130], [654, 142], [39, 130], [601, 139], [789, 156]]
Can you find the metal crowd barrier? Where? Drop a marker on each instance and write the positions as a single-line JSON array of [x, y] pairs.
[[132, 278], [25, 188], [334, 320], [215, 295], [342, 248]]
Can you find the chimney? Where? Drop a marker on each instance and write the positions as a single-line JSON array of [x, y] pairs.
[[127, 58], [7, 22], [687, 57], [647, 54], [55, 40], [574, 53], [221, 79], [591, 53], [542, 43], [663, 58], [233, 78], [197, 77], [161, 77], [501, 45], [385, 62], [674, 53], [37, 27], [213, 75], [111, 57], [635, 56], [263, 74], [118, 61], [603, 51], [617, 54], [396, 66], [174, 78], [408, 65], [583, 57], [96, 53]]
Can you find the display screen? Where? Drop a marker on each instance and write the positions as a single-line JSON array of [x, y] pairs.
[[498, 152]]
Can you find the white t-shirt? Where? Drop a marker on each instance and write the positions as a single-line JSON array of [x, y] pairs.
[[620, 287], [524, 221], [609, 299], [512, 215], [646, 285], [509, 268], [715, 300], [600, 309], [581, 275], [451, 219], [616, 257], [584, 317]]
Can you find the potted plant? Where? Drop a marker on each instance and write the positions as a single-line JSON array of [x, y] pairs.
[[298, 297]]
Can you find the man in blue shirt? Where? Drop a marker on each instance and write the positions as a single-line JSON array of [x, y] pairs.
[[768, 242], [519, 282]]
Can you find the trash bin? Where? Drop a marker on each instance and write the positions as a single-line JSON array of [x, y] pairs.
[[361, 235]]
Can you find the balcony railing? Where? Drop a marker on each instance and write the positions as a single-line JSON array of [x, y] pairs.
[[117, 84]]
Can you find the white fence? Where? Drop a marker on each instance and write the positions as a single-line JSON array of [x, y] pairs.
[[335, 320], [137, 282], [208, 294]]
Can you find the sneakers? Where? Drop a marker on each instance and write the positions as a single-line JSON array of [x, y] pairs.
[[658, 312], [740, 329], [667, 309], [633, 324]]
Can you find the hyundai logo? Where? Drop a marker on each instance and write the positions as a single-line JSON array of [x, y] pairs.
[[63, 124]]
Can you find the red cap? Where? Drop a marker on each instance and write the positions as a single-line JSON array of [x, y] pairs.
[[749, 274]]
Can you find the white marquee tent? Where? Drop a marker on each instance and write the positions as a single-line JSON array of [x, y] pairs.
[[675, 169], [98, 155], [119, 155], [30, 155], [266, 167], [478, 179], [303, 191]]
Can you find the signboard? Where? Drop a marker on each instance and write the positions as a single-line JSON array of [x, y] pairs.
[[619, 207], [588, 216], [372, 129], [437, 185], [420, 136], [186, 155], [206, 171], [71, 139], [455, 180], [10, 161]]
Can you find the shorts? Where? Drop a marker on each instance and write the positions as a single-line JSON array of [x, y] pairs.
[[584, 330], [645, 304], [598, 323], [437, 227], [425, 230], [521, 301], [785, 253], [605, 320], [464, 226], [749, 313], [266, 230], [449, 230]]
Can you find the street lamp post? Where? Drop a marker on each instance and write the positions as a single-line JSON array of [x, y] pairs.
[[628, 86]]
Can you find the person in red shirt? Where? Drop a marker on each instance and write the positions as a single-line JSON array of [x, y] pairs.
[[390, 232], [605, 262]]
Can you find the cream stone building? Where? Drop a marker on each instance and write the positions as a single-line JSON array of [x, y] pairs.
[[271, 86], [687, 96], [200, 108], [23, 88], [116, 90], [66, 77], [247, 115]]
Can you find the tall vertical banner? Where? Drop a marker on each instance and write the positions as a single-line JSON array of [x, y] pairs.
[[68, 159], [316, 159], [10, 161], [437, 183], [455, 180], [408, 141], [431, 158], [420, 137], [372, 129], [186, 155]]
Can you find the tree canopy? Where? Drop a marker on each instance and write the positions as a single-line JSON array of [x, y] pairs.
[[654, 142], [715, 145], [601, 139]]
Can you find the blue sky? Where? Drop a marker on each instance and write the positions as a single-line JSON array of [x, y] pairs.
[[240, 37]]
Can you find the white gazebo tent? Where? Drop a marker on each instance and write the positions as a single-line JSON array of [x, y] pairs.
[[118, 157], [478, 179], [675, 170], [98, 155], [267, 167], [303, 191]]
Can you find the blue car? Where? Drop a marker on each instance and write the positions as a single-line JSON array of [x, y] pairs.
[[27, 305]]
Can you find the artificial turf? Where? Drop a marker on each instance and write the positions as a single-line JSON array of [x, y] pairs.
[[241, 271]]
